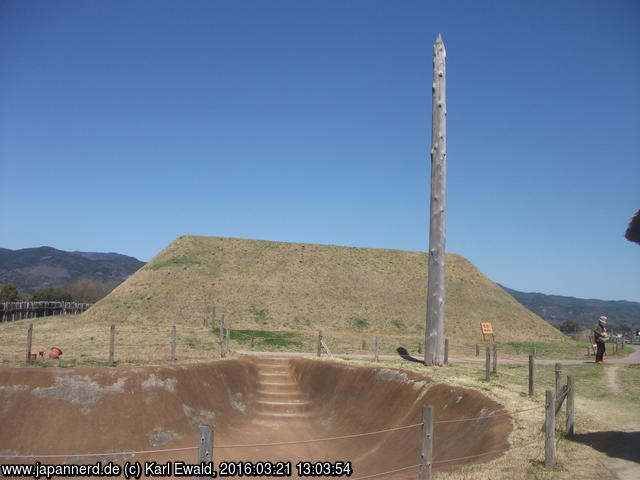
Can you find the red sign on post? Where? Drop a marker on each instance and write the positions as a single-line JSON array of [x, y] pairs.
[[487, 329]]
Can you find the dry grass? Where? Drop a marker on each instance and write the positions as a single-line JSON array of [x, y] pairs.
[[87, 343], [509, 387], [293, 286]]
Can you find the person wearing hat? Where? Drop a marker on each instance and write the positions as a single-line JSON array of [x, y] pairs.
[[601, 336]]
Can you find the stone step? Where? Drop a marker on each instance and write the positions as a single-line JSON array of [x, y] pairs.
[[280, 393], [284, 402]]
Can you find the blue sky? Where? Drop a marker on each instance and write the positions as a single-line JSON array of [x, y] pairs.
[[124, 124]]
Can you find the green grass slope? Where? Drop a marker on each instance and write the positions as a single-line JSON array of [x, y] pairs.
[[303, 287]]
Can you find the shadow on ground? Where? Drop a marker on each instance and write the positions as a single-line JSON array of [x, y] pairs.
[[625, 445], [405, 355]]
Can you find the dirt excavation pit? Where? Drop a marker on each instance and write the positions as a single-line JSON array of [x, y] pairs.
[[249, 401]]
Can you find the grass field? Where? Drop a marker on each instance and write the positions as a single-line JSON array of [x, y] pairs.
[[148, 342], [599, 412]]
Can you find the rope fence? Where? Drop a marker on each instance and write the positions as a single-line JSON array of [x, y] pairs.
[[427, 442]]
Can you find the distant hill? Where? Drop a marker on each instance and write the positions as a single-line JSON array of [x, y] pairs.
[[555, 309], [31, 269], [295, 286]]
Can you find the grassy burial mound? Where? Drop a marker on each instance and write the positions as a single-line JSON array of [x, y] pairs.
[[263, 285]]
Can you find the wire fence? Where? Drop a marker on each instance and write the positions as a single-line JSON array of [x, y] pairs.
[[307, 441]]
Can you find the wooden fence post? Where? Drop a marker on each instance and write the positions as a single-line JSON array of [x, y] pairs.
[[205, 447], [228, 338], [213, 316], [550, 430], [419, 348], [205, 318], [570, 403], [495, 358], [446, 351], [487, 367], [253, 341], [531, 374], [558, 371], [29, 341], [112, 344], [477, 350], [319, 343], [173, 343], [427, 442], [222, 344], [376, 350], [364, 345]]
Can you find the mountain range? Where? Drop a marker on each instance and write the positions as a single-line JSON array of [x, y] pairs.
[[31, 269], [556, 309]]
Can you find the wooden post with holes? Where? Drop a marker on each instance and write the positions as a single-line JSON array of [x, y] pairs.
[[531, 374], [495, 358], [570, 404], [477, 350], [319, 343], [112, 344], [446, 351], [376, 350], [558, 373], [426, 453], [29, 341], [173, 343], [434, 331], [205, 447], [550, 430], [487, 366]]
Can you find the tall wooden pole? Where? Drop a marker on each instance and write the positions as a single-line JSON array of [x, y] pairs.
[[434, 334]]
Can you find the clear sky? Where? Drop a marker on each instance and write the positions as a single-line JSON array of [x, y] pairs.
[[124, 124]]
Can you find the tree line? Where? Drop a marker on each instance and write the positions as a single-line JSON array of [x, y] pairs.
[[82, 290]]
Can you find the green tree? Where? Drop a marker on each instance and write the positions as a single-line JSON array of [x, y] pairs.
[[633, 230], [9, 293], [86, 290], [569, 326], [52, 294]]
